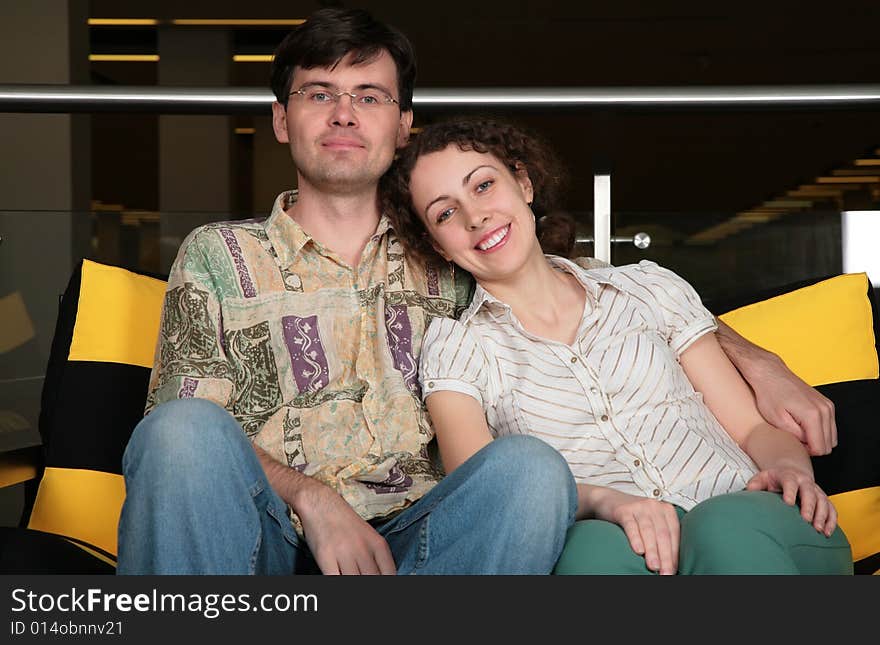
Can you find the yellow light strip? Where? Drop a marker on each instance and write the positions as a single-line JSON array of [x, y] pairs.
[[245, 130], [853, 172], [238, 22], [122, 22], [252, 58], [815, 195], [788, 203], [124, 58], [848, 180], [868, 162]]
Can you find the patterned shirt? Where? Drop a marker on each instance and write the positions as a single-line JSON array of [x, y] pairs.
[[616, 403], [317, 360]]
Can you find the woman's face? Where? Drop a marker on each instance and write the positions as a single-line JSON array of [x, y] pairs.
[[475, 209]]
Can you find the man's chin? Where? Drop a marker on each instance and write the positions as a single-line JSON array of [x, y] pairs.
[[345, 178]]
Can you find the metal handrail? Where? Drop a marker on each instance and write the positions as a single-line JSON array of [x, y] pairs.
[[227, 100]]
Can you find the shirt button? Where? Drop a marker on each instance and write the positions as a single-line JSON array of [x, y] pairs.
[[574, 359], [594, 390], [430, 383], [637, 463], [604, 417], [656, 492]]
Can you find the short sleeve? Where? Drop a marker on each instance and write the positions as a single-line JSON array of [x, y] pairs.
[[190, 359], [452, 360], [683, 313]]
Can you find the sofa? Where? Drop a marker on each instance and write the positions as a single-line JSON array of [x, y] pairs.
[[102, 352]]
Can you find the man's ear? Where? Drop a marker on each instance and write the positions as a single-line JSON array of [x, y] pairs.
[[406, 119], [279, 122], [524, 181]]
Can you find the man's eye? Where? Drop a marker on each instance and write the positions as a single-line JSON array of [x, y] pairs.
[[319, 96], [368, 99]]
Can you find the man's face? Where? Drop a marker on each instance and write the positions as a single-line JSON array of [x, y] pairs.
[[342, 146]]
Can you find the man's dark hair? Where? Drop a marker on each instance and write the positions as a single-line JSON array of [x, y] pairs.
[[329, 35]]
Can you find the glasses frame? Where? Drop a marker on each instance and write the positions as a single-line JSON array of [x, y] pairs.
[[337, 94]]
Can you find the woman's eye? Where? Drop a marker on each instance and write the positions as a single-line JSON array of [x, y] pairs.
[[444, 215], [484, 185]]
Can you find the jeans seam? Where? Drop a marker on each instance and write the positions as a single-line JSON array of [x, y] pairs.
[[424, 539]]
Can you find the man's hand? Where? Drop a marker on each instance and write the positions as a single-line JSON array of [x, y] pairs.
[[783, 399], [786, 402], [340, 540]]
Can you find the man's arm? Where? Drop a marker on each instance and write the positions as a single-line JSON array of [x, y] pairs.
[[192, 362], [783, 399], [339, 539]]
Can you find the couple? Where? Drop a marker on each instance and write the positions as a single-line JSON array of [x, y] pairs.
[[286, 431]]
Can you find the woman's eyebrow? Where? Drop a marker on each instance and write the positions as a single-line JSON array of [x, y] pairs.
[[464, 182], [468, 176]]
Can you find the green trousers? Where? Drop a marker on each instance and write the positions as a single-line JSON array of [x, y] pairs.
[[747, 532]]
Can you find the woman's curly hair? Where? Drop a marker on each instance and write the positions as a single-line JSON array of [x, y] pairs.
[[510, 144]]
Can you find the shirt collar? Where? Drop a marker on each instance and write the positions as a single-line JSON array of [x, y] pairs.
[[589, 278], [288, 238]]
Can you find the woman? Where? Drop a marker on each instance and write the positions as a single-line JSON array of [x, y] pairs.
[[617, 368]]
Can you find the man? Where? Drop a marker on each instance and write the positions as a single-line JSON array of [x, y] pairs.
[[304, 331]]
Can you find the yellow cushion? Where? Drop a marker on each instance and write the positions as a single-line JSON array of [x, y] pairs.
[[823, 332], [113, 299], [858, 514], [80, 504]]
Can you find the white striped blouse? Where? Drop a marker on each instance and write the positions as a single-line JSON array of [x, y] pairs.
[[616, 403]]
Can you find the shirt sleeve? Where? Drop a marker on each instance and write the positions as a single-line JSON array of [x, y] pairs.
[[683, 313], [452, 360], [190, 359]]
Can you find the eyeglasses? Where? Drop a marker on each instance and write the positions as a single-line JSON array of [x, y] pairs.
[[322, 97]]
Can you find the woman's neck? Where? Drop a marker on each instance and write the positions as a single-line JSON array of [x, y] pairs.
[[548, 303]]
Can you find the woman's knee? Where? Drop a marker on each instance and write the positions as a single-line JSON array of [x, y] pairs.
[[596, 547]]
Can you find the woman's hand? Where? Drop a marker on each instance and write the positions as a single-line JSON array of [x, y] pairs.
[[794, 483], [651, 527]]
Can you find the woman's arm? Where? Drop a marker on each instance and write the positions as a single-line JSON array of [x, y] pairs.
[[783, 460], [651, 526], [460, 426]]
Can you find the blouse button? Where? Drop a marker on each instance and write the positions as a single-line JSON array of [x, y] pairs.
[[604, 417], [637, 463], [430, 383], [656, 492], [594, 390], [574, 359]]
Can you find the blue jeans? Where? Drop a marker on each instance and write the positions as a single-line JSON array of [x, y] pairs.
[[198, 501]]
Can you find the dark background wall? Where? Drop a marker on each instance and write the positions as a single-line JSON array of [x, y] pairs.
[[675, 172]]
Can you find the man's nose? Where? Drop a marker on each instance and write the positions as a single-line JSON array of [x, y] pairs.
[[343, 110]]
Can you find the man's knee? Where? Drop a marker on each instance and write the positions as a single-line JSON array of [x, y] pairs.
[[528, 463], [182, 433], [531, 478]]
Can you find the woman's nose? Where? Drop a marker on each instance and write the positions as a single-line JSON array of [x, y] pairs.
[[476, 219]]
